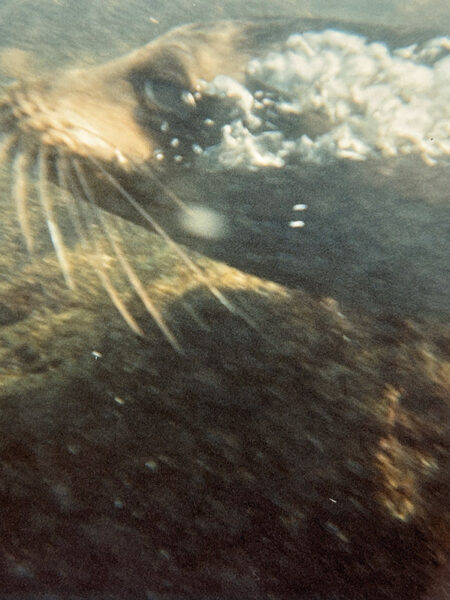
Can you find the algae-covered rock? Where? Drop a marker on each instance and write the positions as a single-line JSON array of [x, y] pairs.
[[289, 450]]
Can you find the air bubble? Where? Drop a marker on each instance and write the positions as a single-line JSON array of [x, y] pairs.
[[188, 98], [296, 224]]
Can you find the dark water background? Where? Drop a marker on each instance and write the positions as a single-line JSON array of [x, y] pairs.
[[62, 30]]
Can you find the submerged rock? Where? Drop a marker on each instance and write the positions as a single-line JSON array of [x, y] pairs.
[[292, 450]]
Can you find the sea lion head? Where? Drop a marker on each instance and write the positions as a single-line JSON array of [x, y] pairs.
[[133, 110], [109, 132], [125, 136]]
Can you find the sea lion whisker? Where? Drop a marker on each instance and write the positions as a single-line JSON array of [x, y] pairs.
[[124, 263], [6, 145], [179, 202], [167, 191], [21, 166], [116, 299], [52, 224], [195, 316], [67, 130], [165, 236], [70, 199], [90, 244], [5, 101], [6, 117]]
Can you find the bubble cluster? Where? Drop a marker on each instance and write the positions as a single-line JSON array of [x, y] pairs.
[[375, 102]]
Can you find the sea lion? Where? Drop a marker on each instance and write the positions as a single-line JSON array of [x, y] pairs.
[[127, 135], [246, 470]]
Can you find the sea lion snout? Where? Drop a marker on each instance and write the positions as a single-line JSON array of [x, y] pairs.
[[77, 112]]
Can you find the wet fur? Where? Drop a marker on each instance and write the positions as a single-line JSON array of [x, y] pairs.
[[100, 137]]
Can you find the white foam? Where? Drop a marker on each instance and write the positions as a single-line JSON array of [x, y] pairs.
[[376, 103]]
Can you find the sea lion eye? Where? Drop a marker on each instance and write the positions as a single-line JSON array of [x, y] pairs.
[[168, 97]]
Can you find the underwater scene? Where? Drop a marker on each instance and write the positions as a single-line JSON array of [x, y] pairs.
[[224, 300]]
